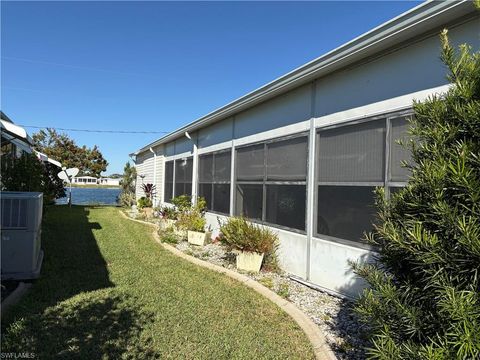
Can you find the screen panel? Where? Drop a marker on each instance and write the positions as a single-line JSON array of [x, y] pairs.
[[287, 160], [222, 167], [286, 205], [250, 163], [345, 212], [205, 168], [221, 198], [353, 153], [249, 198], [398, 153]]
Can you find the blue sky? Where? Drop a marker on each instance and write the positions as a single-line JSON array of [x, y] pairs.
[[154, 66]]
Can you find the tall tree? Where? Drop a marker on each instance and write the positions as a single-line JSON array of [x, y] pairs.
[[27, 173], [129, 177], [424, 295], [61, 147]]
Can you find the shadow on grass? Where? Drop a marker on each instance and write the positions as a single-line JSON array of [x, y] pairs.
[[101, 324], [73, 310]]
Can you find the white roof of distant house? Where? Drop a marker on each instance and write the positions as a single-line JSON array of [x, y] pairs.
[[85, 177]]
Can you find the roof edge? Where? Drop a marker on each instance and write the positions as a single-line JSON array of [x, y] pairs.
[[429, 14]]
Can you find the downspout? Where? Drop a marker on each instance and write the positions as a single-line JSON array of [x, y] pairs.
[[194, 167], [154, 170]]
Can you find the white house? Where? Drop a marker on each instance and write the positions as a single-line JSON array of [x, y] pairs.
[[303, 153], [91, 180], [84, 180], [109, 181]]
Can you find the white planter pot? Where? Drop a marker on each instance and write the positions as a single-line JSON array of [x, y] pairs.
[[197, 238], [249, 261]]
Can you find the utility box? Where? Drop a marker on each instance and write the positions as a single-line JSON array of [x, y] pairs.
[[21, 221]]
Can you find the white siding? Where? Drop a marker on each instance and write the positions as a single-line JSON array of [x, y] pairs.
[[146, 166], [410, 69]]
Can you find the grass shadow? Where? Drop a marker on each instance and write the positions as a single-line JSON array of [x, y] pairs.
[[101, 324], [73, 307]]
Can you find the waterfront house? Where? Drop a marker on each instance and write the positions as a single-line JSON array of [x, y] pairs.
[[84, 180], [108, 181], [303, 153]]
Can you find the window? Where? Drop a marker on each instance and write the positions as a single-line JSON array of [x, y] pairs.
[[271, 182], [183, 176], [214, 180], [168, 184], [351, 162]]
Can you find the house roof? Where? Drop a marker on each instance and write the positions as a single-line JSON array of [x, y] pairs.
[[422, 18]]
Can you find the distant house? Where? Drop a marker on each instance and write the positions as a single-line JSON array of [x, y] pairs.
[[85, 180], [303, 153], [91, 180], [109, 181]]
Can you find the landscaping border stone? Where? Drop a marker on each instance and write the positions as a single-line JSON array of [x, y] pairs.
[[314, 334]]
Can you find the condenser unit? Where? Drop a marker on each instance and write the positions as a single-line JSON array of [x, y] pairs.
[[21, 220]]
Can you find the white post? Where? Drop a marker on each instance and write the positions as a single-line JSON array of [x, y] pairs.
[[154, 173], [194, 173]]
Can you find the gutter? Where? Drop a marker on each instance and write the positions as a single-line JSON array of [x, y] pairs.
[[420, 19]]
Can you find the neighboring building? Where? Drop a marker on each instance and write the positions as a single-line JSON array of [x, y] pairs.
[[85, 180], [304, 153], [108, 181], [21, 212], [14, 139], [91, 180]]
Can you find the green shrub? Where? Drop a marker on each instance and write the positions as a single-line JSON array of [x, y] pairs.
[[191, 220], [238, 233], [27, 173], [190, 217], [144, 202], [182, 202], [169, 212], [126, 199], [168, 236], [424, 295]]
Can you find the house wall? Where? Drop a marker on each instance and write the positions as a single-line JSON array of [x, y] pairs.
[[152, 167], [384, 84]]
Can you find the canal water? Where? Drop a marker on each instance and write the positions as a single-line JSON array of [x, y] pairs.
[[91, 196]]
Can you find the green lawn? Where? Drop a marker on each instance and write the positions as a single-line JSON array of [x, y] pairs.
[[109, 291]]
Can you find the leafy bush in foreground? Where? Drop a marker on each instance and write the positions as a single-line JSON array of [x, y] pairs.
[[238, 233], [424, 300]]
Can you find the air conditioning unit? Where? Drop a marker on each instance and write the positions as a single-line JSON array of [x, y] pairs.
[[21, 221]]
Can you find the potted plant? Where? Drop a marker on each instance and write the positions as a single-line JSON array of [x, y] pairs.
[[169, 216], [194, 223], [192, 220], [250, 241], [146, 202]]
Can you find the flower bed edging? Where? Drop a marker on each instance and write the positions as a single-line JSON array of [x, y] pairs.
[[314, 334]]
